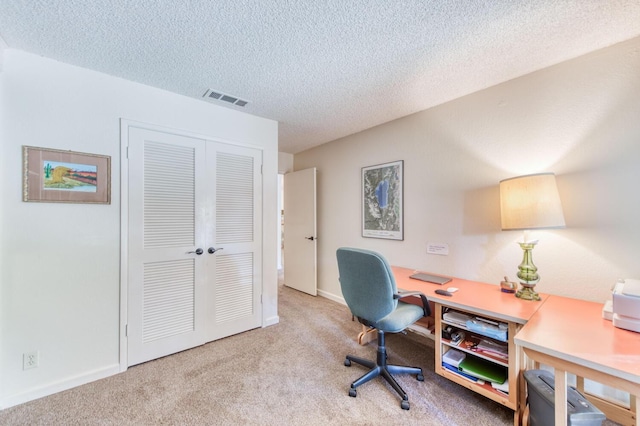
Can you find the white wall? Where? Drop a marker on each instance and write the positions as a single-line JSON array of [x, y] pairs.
[[3, 47], [578, 119], [285, 162], [285, 165], [59, 281]]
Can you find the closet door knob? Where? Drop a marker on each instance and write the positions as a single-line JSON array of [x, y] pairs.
[[198, 251], [212, 250]]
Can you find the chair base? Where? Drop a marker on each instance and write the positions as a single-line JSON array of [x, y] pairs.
[[381, 368]]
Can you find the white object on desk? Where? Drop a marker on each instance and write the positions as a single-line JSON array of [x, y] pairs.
[[607, 310], [626, 304], [627, 323]]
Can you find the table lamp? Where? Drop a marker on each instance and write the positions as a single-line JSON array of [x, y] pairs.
[[530, 202]]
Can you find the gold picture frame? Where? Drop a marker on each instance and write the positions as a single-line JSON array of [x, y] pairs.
[[58, 176]]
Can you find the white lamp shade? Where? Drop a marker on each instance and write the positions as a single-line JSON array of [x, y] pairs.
[[530, 202]]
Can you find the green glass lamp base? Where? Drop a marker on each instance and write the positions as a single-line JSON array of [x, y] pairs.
[[528, 273], [527, 293]]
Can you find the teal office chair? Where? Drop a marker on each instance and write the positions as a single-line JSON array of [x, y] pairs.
[[370, 291]]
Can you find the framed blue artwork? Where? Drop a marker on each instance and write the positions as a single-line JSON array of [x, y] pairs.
[[382, 201]]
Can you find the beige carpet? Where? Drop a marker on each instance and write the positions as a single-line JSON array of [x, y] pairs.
[[288, 374]]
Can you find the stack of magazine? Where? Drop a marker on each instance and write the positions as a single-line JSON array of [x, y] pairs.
[[494, 349]]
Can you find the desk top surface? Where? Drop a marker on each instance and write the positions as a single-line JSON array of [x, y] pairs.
[[574, 330], [480, 298]]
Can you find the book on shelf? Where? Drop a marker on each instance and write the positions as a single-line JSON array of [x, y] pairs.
[[459, 373]]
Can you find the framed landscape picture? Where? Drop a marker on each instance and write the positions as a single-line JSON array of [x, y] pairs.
[[382, 203], [57, 176]]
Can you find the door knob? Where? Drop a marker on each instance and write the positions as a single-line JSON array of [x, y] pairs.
[[311, 238], [198, 251], [212, 250]]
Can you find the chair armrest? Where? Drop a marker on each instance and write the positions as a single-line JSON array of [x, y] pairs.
[[425, 303]]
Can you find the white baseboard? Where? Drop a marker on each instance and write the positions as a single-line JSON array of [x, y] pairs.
[[59, 386], [332, 296], [271, 321]]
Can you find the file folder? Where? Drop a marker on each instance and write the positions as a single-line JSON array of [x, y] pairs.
[[484, 370]]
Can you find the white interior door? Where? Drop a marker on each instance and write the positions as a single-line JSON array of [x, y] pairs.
[[166, 228], [235, 234], [195, 242], [300, 239]]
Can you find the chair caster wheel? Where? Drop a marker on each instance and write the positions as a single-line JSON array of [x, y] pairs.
[[404, 404], [353, 393], [420, 378], [347, 363]]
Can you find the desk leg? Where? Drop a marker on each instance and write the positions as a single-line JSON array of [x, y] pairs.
[[522, 413], [561, 397]]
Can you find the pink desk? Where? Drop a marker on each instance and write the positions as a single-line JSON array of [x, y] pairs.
[[484, 300], [567, 334], [570, 335]]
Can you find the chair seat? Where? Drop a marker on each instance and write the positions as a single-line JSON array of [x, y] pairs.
[[402, 317]]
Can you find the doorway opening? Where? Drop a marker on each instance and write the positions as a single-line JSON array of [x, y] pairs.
[[280, 228]]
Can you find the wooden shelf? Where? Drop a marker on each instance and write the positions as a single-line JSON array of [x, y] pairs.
[[499, 361], [509, 399], [477, 300], [485, 389], [463, 347]]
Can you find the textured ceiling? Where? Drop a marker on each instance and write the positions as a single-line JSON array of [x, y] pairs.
[[322, 68]]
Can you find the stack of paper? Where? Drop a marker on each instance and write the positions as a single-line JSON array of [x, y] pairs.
[[504, 387], [487, 329], [456, 318], [489, 347]]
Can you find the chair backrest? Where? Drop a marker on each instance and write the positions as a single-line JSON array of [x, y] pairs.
[[367, 283]]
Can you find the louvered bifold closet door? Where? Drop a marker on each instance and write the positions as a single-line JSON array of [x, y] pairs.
[[238, 234], [166, 227]]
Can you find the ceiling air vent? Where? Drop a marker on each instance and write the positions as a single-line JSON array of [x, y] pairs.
[[223, 97]]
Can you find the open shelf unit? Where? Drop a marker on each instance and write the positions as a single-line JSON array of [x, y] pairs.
[[512, 364]]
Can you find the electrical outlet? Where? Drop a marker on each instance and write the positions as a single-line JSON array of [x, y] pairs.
[[29, 360]]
